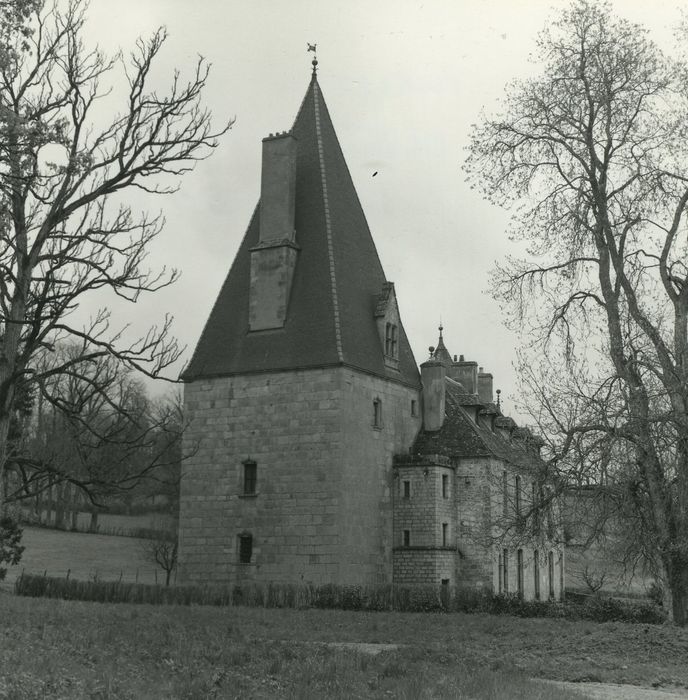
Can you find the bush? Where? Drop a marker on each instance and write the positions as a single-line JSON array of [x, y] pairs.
[[10, 548]]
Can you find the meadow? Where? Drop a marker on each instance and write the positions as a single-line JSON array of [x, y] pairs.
[[66, 649], [60, 649]]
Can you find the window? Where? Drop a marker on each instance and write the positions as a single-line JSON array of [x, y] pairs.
[[505, 494], [414, 407], [250, 477], [505, 569], [245, 548], [377, 413], [536, 511], [536, 573], [445, 535], [407, 489], [550, 573], [519, 573], [445, 486], [551, 524], [391, 340], [407, 538], [500, 574], [518, 496]]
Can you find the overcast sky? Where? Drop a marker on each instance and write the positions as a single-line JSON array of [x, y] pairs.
[[403, 82]]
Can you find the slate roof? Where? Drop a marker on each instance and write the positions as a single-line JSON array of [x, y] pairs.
[[337, 281], [460, 436]]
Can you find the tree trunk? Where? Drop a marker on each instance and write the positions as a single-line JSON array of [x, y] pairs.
[[74, 501], [93, 525], [59, 505], [4, 431], [677, 580]]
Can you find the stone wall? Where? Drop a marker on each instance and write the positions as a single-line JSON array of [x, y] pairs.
[[322, 508]]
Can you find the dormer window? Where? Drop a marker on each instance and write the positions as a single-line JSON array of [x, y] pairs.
[[391, 342], [388, 325]]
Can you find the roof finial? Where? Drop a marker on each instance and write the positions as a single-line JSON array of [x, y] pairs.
[[313, 48], [499, 403], [441, 327]]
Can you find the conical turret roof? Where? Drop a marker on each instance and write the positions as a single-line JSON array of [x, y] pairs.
[[337, 280]]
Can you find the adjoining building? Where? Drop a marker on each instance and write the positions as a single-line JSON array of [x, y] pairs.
[[320, 454]]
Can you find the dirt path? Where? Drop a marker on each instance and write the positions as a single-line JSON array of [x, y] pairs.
[[613, 691]]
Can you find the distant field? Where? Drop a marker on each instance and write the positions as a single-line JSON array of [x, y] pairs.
[[114, 524], [617, 580], [83, 555]]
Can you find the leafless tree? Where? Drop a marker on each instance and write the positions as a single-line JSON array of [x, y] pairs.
[[593, 152], [162, 551], [96, 434], [65, 230]]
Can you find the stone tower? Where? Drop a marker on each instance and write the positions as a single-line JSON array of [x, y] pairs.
[[302, 387]]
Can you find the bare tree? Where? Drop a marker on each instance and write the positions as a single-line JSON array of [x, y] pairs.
[[162, 551], [65, 232], [594, 153], [97, 433]]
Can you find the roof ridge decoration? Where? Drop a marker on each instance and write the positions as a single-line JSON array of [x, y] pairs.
[[328, 223]]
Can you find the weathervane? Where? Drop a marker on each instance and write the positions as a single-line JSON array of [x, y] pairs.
[[313, 48]]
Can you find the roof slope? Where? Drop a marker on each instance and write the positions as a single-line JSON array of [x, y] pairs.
[[337, 280], [460, 436]]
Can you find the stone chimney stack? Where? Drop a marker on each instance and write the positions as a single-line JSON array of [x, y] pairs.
[[278, 188], [466, 373], [273, 260], [433, 373], [485, 386]]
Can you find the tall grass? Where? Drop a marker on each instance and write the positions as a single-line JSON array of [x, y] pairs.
[[369, 598]]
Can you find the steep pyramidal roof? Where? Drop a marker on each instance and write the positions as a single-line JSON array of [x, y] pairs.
[[337, 281]]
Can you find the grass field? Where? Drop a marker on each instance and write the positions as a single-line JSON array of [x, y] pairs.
[[84, 556], [58, 649]]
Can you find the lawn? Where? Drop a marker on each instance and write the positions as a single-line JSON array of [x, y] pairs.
[[60, 649]]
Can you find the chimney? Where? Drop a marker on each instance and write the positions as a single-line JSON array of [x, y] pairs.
[[485, 386], [273, 260], [466, 373], [432, 375], [278, 188]]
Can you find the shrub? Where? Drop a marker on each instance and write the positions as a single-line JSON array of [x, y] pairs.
[[10, 548], [371, 598]]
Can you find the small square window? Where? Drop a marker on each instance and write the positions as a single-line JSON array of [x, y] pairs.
[[407, 489], [250, 478], [245, 549], [407, 538]]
